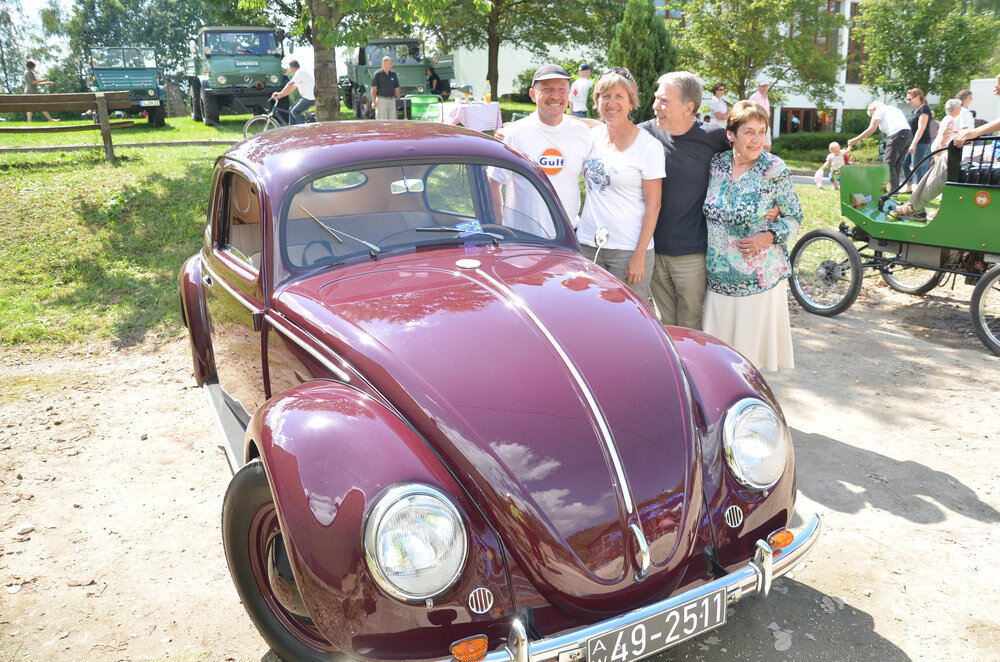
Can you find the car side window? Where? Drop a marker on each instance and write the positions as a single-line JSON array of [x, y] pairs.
[[447, 189], [241, 232]]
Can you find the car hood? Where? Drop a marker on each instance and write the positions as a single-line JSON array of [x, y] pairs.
[[543, 382]]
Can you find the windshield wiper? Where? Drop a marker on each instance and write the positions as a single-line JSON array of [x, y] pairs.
[[472, 227], [372, 248]]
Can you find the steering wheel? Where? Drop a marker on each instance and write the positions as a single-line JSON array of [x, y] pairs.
[[317, 242]]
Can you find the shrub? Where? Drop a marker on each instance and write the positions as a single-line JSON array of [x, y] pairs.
[[802, 142], [855, 121]]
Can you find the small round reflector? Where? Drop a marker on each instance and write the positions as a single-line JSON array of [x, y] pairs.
[[780, 539], [470, 649]]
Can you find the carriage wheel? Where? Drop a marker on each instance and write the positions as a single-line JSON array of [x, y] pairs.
[[910, 280], [826, 272], [985, 309]]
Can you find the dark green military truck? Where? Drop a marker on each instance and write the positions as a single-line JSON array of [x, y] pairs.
[[234, 67], [133, 70], [410, 66]]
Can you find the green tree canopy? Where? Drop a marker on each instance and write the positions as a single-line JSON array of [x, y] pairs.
[[13, 46], [642, 46], [791, 43], [532, 24], [936, 45]]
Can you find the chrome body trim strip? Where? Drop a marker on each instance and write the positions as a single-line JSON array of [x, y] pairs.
[[271, 318], [240, 296], [748, 579], [602, 423], [644, 559]]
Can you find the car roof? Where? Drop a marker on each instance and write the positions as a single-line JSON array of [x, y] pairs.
[[283, 156], [235, 28]]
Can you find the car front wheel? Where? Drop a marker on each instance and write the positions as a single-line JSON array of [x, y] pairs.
[[259, 564]]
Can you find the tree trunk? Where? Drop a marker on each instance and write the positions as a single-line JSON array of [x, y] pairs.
[[493, 46], [324, 12]]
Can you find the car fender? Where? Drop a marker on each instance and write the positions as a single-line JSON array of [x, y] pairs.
[[720, 376], [329, 451], [191, 297]]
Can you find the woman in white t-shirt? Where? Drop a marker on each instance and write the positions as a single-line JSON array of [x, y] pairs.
[[718, 109], [623, 174]]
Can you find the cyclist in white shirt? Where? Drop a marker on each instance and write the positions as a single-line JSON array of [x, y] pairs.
[[303, 82]]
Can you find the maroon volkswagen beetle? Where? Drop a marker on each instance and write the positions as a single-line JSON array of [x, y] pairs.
[[453, 437]]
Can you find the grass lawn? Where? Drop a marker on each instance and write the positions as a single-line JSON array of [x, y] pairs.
[[90, 250]]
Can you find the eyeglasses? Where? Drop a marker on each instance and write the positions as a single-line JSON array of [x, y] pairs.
[[621, 71]]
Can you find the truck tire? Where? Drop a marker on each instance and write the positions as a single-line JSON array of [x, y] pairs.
[[194, 92], [209, 109]]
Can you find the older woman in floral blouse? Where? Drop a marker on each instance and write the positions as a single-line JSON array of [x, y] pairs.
[[747, 258]]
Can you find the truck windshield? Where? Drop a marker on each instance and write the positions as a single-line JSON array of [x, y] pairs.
[[123, 58], [406, 53], [241, 43]]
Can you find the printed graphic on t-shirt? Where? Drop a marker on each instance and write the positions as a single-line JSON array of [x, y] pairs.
[[596, 175], [551, 161]]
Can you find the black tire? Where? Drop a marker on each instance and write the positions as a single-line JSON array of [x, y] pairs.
[[209, 109], [826, 272], [157, 117], [249, 527], [356, 105], [985, 309], [911, 280], [194, 92], [258, 124]]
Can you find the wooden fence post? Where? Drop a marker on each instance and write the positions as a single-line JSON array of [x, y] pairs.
[[102, 116]]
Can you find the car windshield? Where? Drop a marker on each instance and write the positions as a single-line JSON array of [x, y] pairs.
[[340, 216], [240, 43], [123, 58], [406, 53]]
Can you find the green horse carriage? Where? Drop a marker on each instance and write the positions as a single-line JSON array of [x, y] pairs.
[[911, 256]]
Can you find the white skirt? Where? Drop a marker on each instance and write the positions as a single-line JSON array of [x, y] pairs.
[[756, 325]]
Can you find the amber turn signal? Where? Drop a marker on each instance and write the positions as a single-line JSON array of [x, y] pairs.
[[780, 539], [470, 649]]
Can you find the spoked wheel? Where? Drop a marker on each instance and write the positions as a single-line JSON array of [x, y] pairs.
[[258, 124], [985, 309], [259, 564], [910, 280], [826, 272]]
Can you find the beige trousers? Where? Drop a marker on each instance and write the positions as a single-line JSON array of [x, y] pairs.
[[385, 108], [678, 289]]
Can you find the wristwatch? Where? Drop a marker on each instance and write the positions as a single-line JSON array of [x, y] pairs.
[[774, 236]]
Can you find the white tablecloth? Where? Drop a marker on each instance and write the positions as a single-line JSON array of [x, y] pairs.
[[476, 115]]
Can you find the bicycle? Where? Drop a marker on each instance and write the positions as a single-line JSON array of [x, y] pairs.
[[272, 119]]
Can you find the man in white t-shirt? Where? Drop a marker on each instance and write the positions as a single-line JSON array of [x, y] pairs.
[[303, 82], [557, 143], [760, 98], [893, 124], [580, 91]]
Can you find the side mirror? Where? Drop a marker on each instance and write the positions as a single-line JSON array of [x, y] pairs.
[[406, 186], [600, 239]]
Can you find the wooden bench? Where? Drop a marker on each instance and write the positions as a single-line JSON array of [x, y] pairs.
[[98, 102]]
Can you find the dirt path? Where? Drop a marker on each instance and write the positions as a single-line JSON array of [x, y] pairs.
[[113, 460]]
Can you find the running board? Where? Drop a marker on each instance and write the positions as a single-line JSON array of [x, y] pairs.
[[230, 425]]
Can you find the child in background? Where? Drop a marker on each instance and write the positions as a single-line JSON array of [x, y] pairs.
[[835, 160]]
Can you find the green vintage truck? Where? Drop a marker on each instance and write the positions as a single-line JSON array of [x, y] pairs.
[[236, 67], [410, 66], [131, 69]]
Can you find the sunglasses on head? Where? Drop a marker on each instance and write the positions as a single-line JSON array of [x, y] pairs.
[[621, 71]]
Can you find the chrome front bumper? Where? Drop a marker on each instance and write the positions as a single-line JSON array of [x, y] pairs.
[[755, 576]]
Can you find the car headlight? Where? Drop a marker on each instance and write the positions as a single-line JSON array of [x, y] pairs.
[[273, 79], [756, 444], [221, 79], [415, 542], [420, 89], [151, 93]]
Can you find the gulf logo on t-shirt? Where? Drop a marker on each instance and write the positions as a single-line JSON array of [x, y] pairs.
[[551, 161]]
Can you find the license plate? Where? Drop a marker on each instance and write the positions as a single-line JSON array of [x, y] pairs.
[[654, 634], [149, 103]]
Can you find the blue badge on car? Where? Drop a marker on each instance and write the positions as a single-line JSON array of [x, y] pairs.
[[468, 228]]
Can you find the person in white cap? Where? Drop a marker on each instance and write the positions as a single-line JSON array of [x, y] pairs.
[[892, 122], [555, 142]]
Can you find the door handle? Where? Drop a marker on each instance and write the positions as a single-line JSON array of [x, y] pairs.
[[207, 279]]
